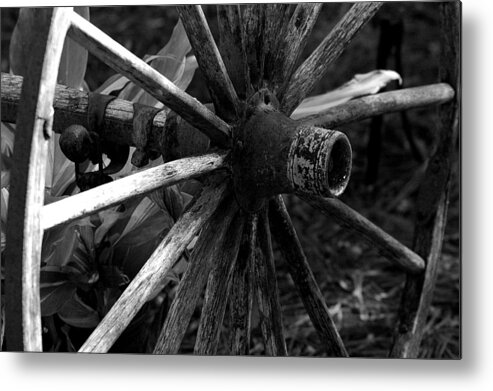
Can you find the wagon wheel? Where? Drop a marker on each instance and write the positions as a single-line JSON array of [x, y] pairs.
[[260, 154]]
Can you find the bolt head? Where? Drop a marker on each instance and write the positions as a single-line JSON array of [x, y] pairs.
[[75, 143]]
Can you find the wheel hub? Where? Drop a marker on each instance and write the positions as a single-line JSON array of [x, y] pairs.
[[274, 154]]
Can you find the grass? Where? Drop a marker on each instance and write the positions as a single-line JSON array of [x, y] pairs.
[[362, 289]]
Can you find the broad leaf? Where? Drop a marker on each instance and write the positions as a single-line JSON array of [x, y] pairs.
[[73, 63], [144, 231], [55, 296], [360, 85], [78, 314], [170, 200], [171, 61], [71, 245], [74, 57]]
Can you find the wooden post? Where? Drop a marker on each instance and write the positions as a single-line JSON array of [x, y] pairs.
[[24, 232]]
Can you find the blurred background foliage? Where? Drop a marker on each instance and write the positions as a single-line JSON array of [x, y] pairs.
[[362, 289]]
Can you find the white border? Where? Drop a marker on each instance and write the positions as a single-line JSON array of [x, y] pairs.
[[125, 372]]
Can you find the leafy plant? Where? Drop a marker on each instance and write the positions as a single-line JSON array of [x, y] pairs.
[[86, 264]]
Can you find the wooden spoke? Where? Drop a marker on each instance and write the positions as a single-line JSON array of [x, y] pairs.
[[120, 59], [396, 252], [24, 232], [285, 235], [241, 298], [232, 47], [265, 282], [155, 269], [384, 103], [292, 42], [210, 62], [206, 251], [317, 64], [276, 18], [217, 291], [113, 193], [431, 216], [253, 33]]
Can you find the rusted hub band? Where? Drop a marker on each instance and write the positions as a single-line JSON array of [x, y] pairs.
[[273, 155], [319, 161]]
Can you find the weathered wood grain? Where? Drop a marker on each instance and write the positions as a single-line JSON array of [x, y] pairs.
[[24, 232], [383, 103], [71, 107], [169, 134], [293, 39], [390, 247], [432, 204], [316, 65], [232, 47], [241, 294], [207, 250], [155, 269], [210, 62], [299, 269], [217, 291], [277, 17], [141, 73], [113, 193], [267, 292], [253, 17]]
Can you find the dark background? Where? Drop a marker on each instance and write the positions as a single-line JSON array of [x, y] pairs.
[[361, 288]]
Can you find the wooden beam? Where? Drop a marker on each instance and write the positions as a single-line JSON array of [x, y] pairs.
[[395, 252], [267, 292], [141, 183], [217, 291], [24, 232], [383, 103], [210, 62], [207, 250], [71, 107], [142, 74], [432, 203], [155, 269], [241, 295], [299, 269], [169, 134], [317, 64]]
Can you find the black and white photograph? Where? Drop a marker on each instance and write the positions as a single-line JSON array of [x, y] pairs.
[[263, 179]]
